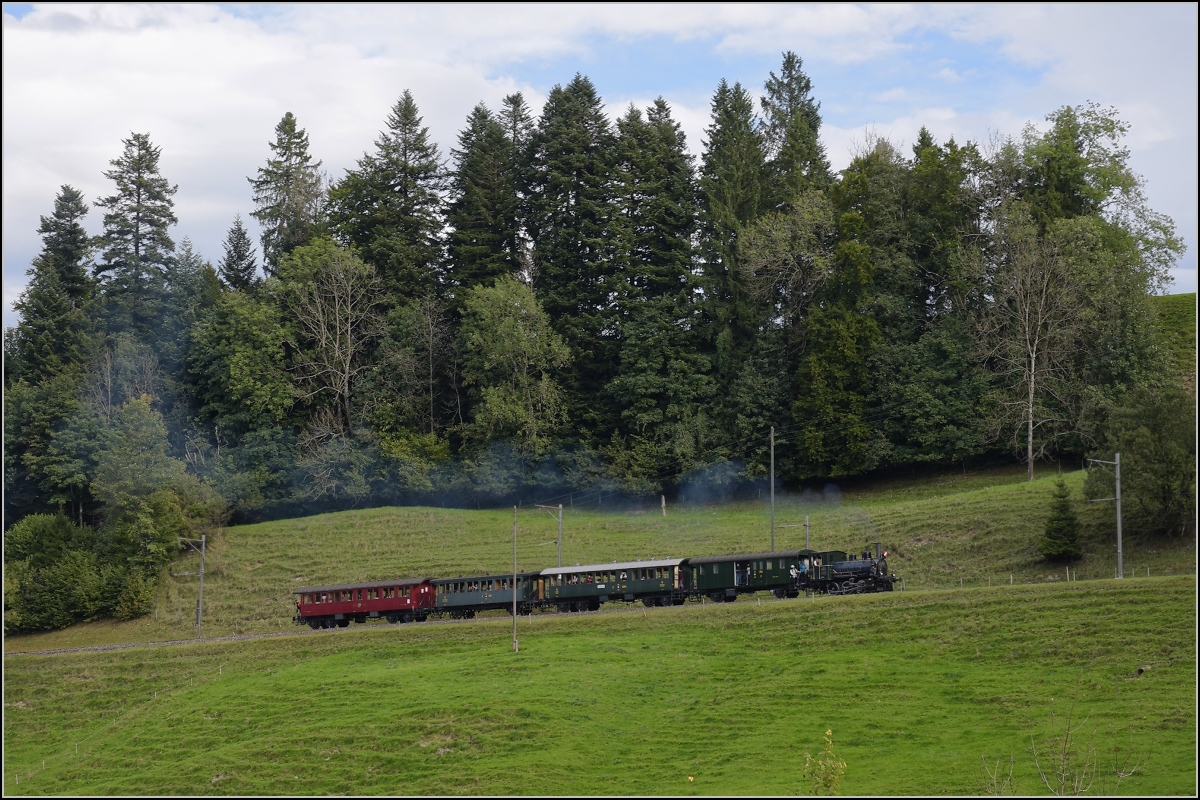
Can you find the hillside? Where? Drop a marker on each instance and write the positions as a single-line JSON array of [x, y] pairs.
[[914, 687], [979, 529], [1177, 324]]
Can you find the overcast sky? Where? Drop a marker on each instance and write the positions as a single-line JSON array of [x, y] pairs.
[[210, 82]]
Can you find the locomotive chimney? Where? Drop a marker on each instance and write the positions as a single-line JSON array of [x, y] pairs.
[[877, 544]]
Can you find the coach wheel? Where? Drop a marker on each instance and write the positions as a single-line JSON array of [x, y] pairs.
[[717, 597], [648, 602], [593, 605], [314, 624], [327, 624], [407, 617], [780, 593], [392, 619], [343, 623]]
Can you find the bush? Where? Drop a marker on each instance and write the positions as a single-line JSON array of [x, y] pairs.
[[137, 596]]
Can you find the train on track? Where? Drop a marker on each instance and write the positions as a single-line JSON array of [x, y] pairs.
[[660, 582]]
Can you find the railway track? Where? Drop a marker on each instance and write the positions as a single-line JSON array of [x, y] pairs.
[[298, 631]]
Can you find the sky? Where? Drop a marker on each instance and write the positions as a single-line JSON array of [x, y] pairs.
[[209, 83]]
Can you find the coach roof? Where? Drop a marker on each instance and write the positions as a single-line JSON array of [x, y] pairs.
[[338, 587], [616, 565]]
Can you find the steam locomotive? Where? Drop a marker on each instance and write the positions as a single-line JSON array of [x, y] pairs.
[[658, 582]]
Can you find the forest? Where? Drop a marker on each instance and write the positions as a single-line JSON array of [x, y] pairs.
[[568, 305]]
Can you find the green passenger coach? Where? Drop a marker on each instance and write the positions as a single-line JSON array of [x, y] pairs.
[[585, 587]]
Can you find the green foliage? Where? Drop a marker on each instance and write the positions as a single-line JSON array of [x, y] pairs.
[[67, 245], [137, 248], [731, 193], [41, 540], [134, 461], [52, 574], [238, 363], [288, 194], [1060, 541], [510, 356], [824, 771], [238, 266], [484, 241], [791, 134], [389, 209], [1155, 433], [334, 297]]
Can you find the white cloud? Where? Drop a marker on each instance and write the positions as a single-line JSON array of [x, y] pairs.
[[209, 83]]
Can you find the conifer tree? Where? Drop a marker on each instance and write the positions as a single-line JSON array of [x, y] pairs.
[[67, 246], [238, 266], [572, 226], [390, 208], [658, 201], [731, 196], [1060, 541], [137, 247], [517, 121], [55, 331], [288, 194], [483, 210], [791, 135]]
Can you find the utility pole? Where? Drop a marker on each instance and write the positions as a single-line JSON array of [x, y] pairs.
[[772, 488], [551, 510], [806, 531], [200, 546], [514, 583], [1116, 462]]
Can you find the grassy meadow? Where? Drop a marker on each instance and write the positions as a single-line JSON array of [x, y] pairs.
[[916, 687], [979, 529]]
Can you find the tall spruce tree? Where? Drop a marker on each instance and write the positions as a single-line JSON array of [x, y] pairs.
[[55, 332], [573, 229], [137, 247], [791, 130], [288, 194], [67, 246], [657, 202], [390, 208], [731, 195], [517, 121], [238, 267], [483, 210]]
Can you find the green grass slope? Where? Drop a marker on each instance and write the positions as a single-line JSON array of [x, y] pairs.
[[915, 687], [979, 529], [1177, 325]]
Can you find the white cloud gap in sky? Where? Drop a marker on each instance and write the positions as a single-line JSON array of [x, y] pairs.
[[209, 83]]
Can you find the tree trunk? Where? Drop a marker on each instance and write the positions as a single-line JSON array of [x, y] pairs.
[[1029, 438]]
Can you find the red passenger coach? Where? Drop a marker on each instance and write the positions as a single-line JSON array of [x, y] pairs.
[[395, 601]]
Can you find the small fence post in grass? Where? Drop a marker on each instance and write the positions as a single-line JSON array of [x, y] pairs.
[[1010, 579]]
